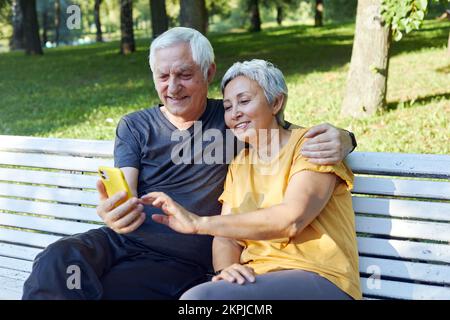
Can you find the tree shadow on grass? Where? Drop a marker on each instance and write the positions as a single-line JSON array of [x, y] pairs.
[[445, 69], [394, 105]]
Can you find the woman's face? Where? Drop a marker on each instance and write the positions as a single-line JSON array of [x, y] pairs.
[[247, 109]]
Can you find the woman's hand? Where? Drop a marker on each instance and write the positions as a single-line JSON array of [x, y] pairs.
[[236, 273], [176, 217]]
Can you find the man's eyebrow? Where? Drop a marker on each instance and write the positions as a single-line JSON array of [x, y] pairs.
[[160, 71], [186, 67], [182, 68]]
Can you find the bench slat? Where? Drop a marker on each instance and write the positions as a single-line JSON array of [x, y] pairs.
[[402, 208], [27, 238], [53, 161], [403, 228], [18, 252], [425, 272], [392, 268], [404, 249], [16, 264], [48, 225], [49, 178], [404, 290], [12, 284], [50, 194], [50, 209], [55, 145], [400, 164], [14, 274], [11, 289], [402, 188]]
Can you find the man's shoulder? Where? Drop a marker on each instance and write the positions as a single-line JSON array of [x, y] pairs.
[[215, 102], [141, 119], [141, 114]]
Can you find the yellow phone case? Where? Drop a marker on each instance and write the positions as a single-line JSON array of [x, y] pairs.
[[114, 182]]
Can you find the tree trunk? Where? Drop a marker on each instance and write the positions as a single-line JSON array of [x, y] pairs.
[[367, 77], [160, 22], [193, 14], [44, 27], [318, 18], [17, 39], [279, 14], [255, 19], [127, 45], [98, 24], [31, 27], [57, 20]]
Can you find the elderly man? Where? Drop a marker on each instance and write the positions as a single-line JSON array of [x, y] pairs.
[[134, 257]]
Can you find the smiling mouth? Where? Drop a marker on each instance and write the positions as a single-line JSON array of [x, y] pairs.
[[176, 99], [242, 125]]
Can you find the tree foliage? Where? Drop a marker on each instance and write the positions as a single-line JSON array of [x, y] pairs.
[[406, 15]]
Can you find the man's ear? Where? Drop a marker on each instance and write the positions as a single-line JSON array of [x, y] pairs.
[[278, 104], [211, 72]]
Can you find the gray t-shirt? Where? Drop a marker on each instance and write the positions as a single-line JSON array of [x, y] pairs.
[[147, 141]]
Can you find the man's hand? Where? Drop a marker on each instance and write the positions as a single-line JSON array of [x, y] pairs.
[[236, 273], [327, 145], [126, 217], [176, 217]]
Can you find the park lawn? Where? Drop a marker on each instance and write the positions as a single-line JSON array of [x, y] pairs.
[[81, 92]]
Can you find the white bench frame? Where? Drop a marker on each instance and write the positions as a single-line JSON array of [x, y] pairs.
[[402, 205]]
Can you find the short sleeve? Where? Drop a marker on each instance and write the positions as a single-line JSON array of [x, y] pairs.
[[126, 146], [226, 195], [301, 163]]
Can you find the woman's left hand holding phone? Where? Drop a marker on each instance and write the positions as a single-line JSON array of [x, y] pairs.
[[124, 218]]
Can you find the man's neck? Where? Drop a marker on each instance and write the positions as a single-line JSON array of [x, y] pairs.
[[181, 123]]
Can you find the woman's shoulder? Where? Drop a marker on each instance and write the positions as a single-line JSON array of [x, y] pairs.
[[298, 136]]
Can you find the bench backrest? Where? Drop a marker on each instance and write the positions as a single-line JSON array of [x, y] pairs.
[[402, 205]]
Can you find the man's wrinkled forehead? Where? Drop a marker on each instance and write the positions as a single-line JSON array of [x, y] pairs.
[[177, 67]]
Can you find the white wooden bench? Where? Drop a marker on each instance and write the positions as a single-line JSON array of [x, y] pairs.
[[402, 201]]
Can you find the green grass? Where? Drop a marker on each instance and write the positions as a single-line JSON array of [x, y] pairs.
[[81, 92]]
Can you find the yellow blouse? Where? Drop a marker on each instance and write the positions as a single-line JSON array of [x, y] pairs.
[[327, 246]]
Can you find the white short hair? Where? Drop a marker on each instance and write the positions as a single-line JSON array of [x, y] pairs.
[[201, 49], [269, 78]]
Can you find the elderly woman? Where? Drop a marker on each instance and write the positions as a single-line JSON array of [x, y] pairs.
[[287, 226]]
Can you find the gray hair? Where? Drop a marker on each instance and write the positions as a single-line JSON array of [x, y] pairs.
[[269, 78], [201, 49]]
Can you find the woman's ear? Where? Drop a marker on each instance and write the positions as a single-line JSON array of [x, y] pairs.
[[278, 104], [211, 72]]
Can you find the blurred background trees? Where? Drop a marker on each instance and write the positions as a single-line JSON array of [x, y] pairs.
[[34, 25], [106, 20], [101, 19]]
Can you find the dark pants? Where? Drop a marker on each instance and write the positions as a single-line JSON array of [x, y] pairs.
[[101, 264]]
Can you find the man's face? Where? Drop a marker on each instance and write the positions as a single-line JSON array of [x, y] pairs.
[[179, 81]]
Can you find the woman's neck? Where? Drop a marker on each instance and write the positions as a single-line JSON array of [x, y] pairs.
[[269, 142]]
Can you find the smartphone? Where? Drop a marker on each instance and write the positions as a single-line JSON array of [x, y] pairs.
[[114, 181]]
